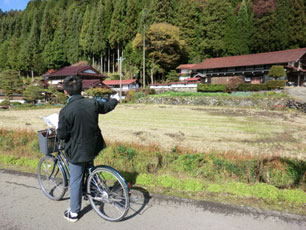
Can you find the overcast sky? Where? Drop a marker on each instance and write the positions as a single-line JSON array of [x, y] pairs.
[[6, 5]]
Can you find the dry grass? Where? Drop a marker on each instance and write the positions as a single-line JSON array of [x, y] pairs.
[[227, 130]]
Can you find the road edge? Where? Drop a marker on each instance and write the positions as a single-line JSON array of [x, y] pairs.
[[214, 207]]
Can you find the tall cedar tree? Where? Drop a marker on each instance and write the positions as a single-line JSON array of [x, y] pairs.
[[3, 55], [100, 39], [187, 19], [244, 27], [263, 38], [10, 83], [84, 43], [297, 28], [74, 24], [12, 55], [47, 25], [162, 11], [131, 20], [116, 35], [214, 19], [282, 24]]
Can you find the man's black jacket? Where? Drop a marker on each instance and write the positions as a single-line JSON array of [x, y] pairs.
[[78, 126]]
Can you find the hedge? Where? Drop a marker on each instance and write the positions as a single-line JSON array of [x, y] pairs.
[[211, 87], [276, 84], [252, 87], [270, 85]]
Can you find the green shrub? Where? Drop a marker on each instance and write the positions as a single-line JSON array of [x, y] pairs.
[[277, 71], [252, 87], [278, 177], [139, 95], [276, 84], [125, 152], [114, 77], [98, 91], [15, 103], [5, 103], [130, 96], [152, 92], [211, 87]]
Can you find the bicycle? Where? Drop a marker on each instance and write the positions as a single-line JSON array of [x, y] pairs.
[[106, 190]]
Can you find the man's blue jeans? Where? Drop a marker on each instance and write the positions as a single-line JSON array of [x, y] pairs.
[[76, 182]]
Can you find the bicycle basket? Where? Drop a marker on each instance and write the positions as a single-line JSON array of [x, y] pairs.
[[47, 141]]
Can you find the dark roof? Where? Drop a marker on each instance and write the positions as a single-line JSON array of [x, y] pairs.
[[87, 84], [277, 57], [75, 71]]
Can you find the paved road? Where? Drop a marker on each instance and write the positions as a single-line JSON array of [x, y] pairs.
[[297, 93], [23, 206]]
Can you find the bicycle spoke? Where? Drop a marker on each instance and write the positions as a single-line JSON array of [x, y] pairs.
[[108, 194], [51, 178]]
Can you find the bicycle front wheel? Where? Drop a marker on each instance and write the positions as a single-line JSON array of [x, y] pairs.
[[108, 193], [51, 178]]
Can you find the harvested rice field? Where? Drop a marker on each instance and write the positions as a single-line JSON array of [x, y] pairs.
[[197, 128]]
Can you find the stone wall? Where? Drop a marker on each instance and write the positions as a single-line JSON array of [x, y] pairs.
[[296, 105], [265, 103], [176, 89]]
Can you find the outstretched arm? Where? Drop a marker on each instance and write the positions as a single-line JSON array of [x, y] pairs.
[[105, 107]]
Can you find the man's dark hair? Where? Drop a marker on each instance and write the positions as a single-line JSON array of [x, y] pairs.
[[73, 85]]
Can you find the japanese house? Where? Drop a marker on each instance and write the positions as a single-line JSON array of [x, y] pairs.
[[253, 68]]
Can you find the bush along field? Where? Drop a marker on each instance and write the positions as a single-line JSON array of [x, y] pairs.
[[270, 182]]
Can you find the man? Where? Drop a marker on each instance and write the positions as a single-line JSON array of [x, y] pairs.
[[78, 126]]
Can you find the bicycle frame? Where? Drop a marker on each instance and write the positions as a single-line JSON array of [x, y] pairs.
[[63, 162], [62, 165]]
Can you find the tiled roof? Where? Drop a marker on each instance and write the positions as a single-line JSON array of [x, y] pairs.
[[186, 66], [172, 83], [192, 79], [117, 82], [86, 84], [74, 70], [276, 57]]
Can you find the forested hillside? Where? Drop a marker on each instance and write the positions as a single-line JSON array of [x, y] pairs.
[[50, 34]]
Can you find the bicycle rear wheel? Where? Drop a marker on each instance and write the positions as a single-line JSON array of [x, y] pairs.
[[108, 193], [51, 178]]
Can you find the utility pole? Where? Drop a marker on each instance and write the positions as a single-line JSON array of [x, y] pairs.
[[144, 22], [144, 58], [120, 73]]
